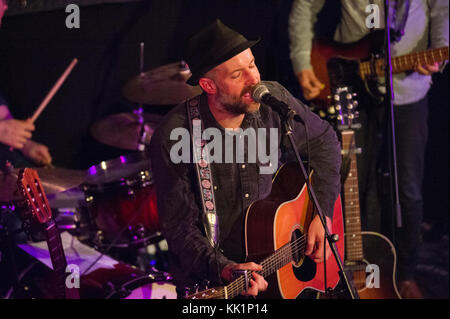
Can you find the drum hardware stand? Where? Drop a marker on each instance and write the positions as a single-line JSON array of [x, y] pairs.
[[113, 243], [143, 133]]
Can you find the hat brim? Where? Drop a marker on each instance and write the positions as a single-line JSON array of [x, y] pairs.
[[197, 74]]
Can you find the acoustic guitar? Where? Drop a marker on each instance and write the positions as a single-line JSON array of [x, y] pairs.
[[369, 256], [275, 236], [37, 202]]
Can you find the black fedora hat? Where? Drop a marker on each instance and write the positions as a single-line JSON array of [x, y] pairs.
[[212, 46]]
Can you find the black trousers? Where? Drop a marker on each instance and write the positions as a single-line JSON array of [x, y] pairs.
[[375, 180]]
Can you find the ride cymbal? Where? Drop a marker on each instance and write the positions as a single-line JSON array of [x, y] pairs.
[[163, 85], [124, 130]]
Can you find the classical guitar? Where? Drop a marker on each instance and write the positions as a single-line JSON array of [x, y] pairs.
[[364, 251], [357, 64], [37, 202], [275, 236]]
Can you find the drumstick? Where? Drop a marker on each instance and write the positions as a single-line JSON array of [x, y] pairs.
[[53, 90], [51, 93]]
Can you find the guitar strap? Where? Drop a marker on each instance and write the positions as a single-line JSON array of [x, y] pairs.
[[400, 15], [398, 10], [204, 175]]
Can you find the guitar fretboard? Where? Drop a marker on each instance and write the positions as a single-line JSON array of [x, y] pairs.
[[405, 62], [353, 237], [271, 264]]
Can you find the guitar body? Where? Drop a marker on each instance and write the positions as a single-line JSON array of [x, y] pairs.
[[282, 217], [380, 251], [323, 51]]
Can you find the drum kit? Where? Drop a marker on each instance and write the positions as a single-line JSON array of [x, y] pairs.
[[111, 207]]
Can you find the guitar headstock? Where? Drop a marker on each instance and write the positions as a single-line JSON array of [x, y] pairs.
[[342, 110], [34, 194]]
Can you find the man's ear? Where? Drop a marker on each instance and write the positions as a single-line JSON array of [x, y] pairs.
[[208, 85]]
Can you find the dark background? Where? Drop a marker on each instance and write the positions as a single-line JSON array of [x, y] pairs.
[[35, 48]]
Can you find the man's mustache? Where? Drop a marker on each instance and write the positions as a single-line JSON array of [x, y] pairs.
[[248, 89]]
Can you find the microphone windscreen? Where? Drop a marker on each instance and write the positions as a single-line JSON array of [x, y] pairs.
[[258, 91]]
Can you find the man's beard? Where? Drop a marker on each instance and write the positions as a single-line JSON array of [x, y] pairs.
[[234, 104]]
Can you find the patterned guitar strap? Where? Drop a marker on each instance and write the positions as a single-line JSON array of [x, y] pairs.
[[201, 160]]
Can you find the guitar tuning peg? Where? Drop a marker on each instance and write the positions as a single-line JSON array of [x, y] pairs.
[[339, 117], [348, 96], [349, 106], [355, 103], [322, 114], [356, 114], [336, 97], [354, 94], [351, 116], [331, 110], [338, 107]]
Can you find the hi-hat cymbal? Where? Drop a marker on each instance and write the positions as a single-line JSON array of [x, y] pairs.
[[53, 179], [123, 130], [163, 85]]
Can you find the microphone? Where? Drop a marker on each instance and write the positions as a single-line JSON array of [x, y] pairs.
[[261, 94]]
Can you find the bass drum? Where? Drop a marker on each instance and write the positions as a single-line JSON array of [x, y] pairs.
[[126, 282]]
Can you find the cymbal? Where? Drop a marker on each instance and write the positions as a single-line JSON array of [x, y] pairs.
[[123, 130], [118, 168], [53, 179], [163, 85]]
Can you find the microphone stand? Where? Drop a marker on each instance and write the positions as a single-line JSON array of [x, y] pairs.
[[390, 116], [286, 116]]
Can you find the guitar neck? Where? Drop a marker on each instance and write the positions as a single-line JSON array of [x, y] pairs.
[[353, 237], [55, 247], [405, 62], [271, 264], [56, 251]]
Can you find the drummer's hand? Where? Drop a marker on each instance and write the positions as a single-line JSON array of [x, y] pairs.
[[15, 133], [37, 152]]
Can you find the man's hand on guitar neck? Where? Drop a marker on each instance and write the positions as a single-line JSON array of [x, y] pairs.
[[257, 282], [427, 69], [316, 236], [311, 86]]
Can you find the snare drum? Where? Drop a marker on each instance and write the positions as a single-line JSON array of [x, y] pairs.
[[126, 282], [121, 201]]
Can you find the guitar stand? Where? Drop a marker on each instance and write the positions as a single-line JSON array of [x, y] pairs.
[[286, 117]]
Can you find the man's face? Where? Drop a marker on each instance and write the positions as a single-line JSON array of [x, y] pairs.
[[234, 80], [3, 8]]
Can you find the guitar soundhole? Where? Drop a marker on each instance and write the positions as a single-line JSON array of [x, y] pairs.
[[298, 246], [304, 268]]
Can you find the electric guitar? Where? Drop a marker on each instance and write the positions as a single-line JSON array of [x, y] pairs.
[[275, 236], [369, 256], [33, 192], [358, 64]]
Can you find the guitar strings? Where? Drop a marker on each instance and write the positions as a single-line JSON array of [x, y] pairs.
[[275, 259]]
